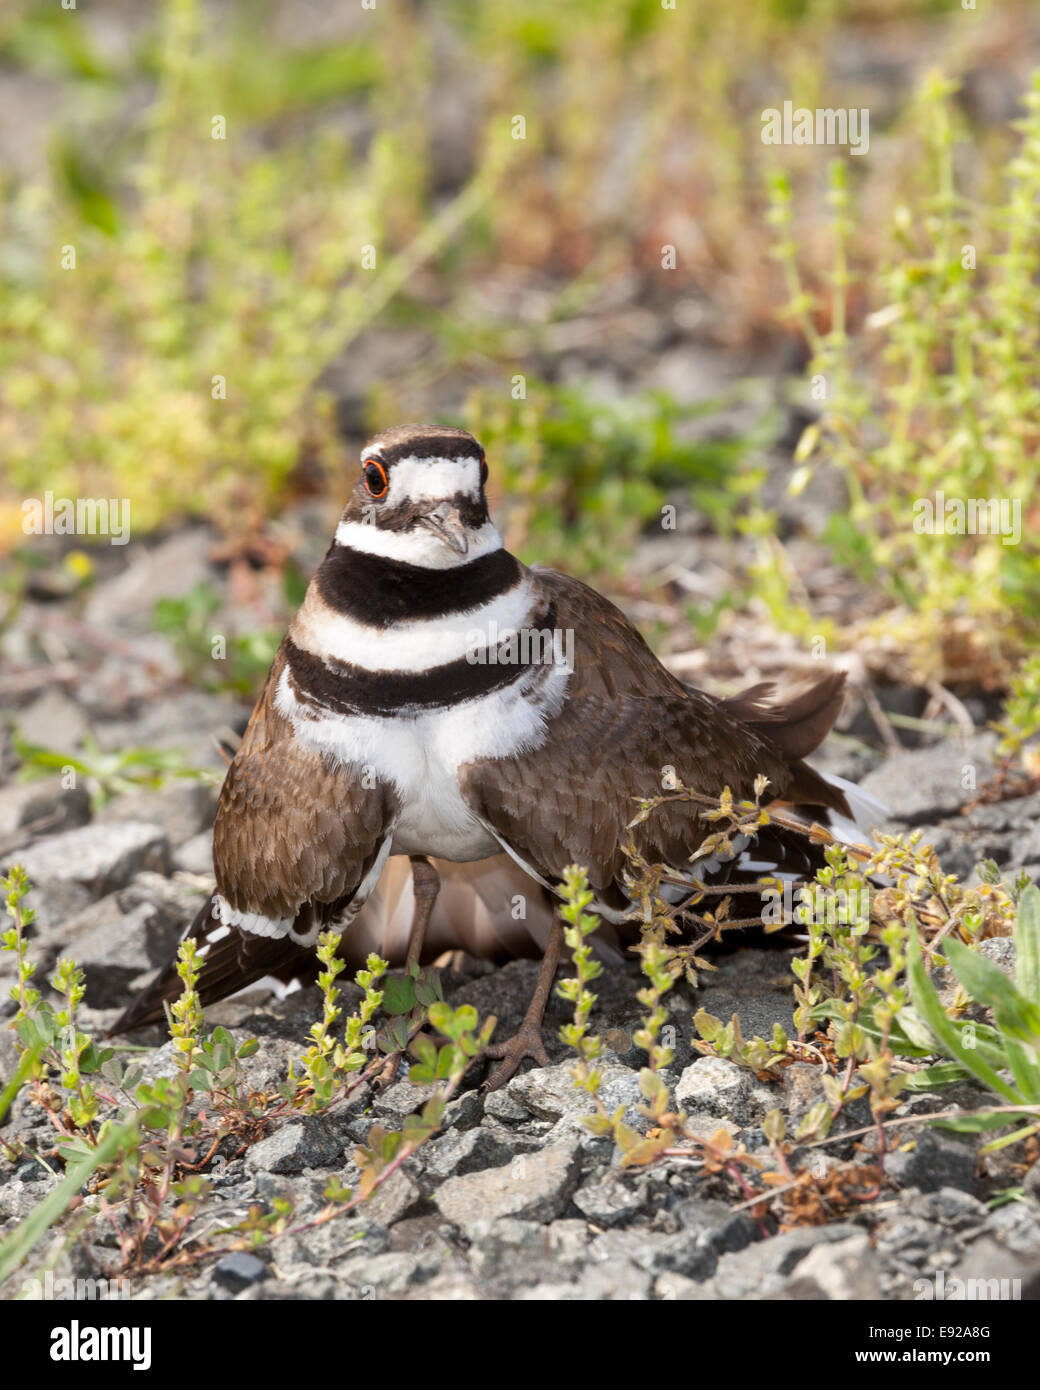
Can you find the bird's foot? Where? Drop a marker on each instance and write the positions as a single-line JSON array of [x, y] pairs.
[[526, 1043]]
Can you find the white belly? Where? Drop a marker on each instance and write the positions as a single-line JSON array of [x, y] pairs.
[[421, 755]]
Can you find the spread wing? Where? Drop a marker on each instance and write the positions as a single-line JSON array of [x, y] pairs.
[[625, 725], [293, 826], [298, 841]]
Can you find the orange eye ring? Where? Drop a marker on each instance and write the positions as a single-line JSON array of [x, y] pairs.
[[375, 478], [483, 471]]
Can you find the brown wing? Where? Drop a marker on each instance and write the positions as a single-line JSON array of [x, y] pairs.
[[626, 721], [295, 836], [293, 827]]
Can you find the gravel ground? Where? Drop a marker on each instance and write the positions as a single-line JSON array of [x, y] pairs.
[[515, 1199]]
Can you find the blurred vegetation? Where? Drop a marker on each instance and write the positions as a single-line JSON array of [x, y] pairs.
[[941, 398], [197, 356]]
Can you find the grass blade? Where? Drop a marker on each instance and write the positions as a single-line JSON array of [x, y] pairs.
[[24, 1237], [927, 1004], [1027, 944]]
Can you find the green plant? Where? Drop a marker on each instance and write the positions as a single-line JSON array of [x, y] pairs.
[[182, 311], [946, 409], [584, 476], [145, 1146], [211, 661], [108, 774], [1021, 720], [978, 1051]]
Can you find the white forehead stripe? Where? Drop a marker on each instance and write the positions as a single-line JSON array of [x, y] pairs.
[[417, 546], [415, 479]]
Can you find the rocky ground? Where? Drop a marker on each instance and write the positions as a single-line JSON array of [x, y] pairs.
[[514, 1199]]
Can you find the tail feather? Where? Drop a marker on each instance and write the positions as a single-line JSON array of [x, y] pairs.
[[233, 959], [797, 725]]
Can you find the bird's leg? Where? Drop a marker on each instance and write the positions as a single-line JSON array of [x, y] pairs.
[[426, 884], [527, 1041]]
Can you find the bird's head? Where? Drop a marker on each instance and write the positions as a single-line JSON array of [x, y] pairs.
[[420, 498]]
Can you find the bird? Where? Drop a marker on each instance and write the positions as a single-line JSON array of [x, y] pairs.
[[445, 729]]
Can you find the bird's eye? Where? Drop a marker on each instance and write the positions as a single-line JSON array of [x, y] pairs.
[[374, 475], [483, 471]]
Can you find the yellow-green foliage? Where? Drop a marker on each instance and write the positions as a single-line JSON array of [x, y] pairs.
[[241, 258], [166, 340], [940, 396]]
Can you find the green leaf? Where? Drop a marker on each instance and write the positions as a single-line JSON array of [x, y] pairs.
[[398, 995], [1026, 1132], [441, 1017], [466, 1018], [943, 1074], [425, 1050], [987, 984], [17, 1081], [1024, 1068], [651, 1085], [24, 1237], [1027, 944], [974, 1124], [926, 1002]]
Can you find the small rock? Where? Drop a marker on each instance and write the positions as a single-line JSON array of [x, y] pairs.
[[991, 1271], [761, 1269], [1031, 1186], [395, 1198], [53, 721], [127, 934], [502, 1106], [390, 1273], [401, 1099], [329, 1244], [1001, 951], [927, 783], [803, 1088], [167, 569], [303, 1143], [183, 808], [98, 857], [533, 1186], [549, 1093], [611, 1199], [239, 1271], [842, 1271], [714, 1226], [46, 804], [951, 1208], [195, 856], [715, 1087], [937, 1160], [464, 1111], [456, 1153], [654, 1253]]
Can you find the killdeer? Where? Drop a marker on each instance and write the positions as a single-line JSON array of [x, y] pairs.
[[437, 699]]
